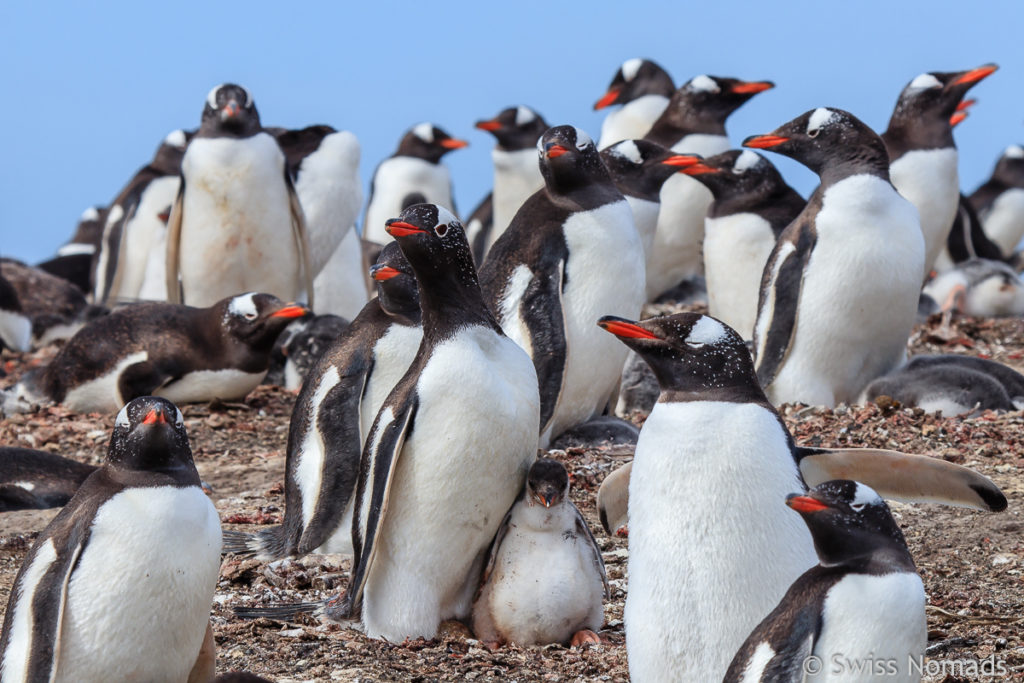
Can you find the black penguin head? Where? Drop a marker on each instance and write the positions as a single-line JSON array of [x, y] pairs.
[[688, 352], [230, 110], [934, 97], [547, 483], [396, 283], [1010, 167], [715, 98], [736, 173], [642, 167], [634, 79], [427, 141], [569, 159], [849, 523], [256, 319], [171, 151], [515, 128], [826, 138], [149, 435]]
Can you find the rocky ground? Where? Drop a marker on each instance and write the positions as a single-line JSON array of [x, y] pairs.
[[971, 562]]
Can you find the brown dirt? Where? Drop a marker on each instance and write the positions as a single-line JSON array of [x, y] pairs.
[[971, 562]]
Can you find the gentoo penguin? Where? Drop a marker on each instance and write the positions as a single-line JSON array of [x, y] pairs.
[[643, 89], [752, 206], [693, 123], [324, 165], [479, 226], [702, 574], [954, 384], [639, 168], [334, 413], [31, 479], [235, 197], [413, 174], [516, 174], [182, 353], [571, 253], [967, 240], [73, 261], [1000, 201], [15, 324], [979, 287], [300, 346], [56, 307], [922, 153], [448, 452], [841, 287], [118, 586], [544, 581], [858, 614], [131, 261]]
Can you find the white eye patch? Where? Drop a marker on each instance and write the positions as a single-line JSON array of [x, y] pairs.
[[746, 161], [706, 331], [628, 150], [122, 418], [582, 139], [424, 131], [211, 99], [630, 67], [524, 115], [821, 117], [1014, 152], [925, 81], [704, 83], [176, 138], [243, 305], [864, 495]]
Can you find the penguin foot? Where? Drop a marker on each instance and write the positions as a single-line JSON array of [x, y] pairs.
[[585, 636]]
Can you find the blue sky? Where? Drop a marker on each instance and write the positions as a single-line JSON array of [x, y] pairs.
[[89, 90]]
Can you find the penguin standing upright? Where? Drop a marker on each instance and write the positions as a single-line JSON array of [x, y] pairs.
[[704, 572], [516, 174], [235, 198], [643, 89], [118, 586], [859, 613], [841, 287], [693, 123], [74, 260], [571, 253], [413, 174], [922, 153], [752, 206], [448, 452], [999, 201]]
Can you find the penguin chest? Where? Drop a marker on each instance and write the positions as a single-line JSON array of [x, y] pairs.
[[516, 177], [736, 249], [1003, 222], [206, 385], [675, 254], [330, 193], [236, 204], [645, 216], [928, 179], [871, 621], [101, 393], [633, 120], [144, 236], [139, 600], [392, 355], [397, 179]]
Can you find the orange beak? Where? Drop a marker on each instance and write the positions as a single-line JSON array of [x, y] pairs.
[[397, 228], [752, 87], [155, 417], [681, 160], [488, 125], [966, 104], [608, 99], [700, 169], [231, 109], [957, 117], [290, 311], [764, 141], [975, 75], [625, 329], [805, 504], [556, 151], [453, 143], [382, 273]]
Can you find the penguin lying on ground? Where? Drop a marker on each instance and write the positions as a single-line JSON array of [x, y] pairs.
[[643, 89], [15, 325], [858, 615], [31, 479], [118, 586], [182, 353], [544, 581], [300, 346], [1000, 201], [987, 289], [56, 307]]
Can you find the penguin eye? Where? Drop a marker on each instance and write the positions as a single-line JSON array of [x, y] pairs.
[[250, 316], [695, 345], [813, 133], [441, 230], [857, 507]]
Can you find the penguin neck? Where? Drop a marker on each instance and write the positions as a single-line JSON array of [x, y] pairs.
[[870, 160], [455, 301], [907, 133], [681, 119]]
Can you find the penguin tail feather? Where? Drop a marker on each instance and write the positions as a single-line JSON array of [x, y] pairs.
[[280, 612], [237, 542], [267, 544]]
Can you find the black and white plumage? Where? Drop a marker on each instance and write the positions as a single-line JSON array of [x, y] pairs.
[[31, 479], [752, 206], [138, 540], [967, 240], [544, 581], [571, 254], [448, 451], [413, 174], [859, 612], [978, 287], [999, 201], [300, 346], [15, 324], [922, 153], [74, 259], [840, 290], [55, 308], [643, 88], [235, 196]]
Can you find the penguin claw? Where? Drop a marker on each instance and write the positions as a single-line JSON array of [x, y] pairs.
[[585, 636]]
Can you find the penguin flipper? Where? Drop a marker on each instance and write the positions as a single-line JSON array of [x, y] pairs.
[[902, 477], [541, 309], [376, 470], [141, 379], [790, 636], [174, 294], [301, 235], [613, 499], [780, 297], [583, 532], [492, 552]]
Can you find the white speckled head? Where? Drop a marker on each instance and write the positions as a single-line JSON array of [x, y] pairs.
[[424, 131], [628, 150], [746, 161], [582, 139], [180, 420], [176, 138], [1014, 152], [444, 216], [630, 67], [90, 214], [122, 418], [706, 331], [703, 83], [524, 115], [821, 117], [244, 306], [211, 98], [864, 495], [925, 81]]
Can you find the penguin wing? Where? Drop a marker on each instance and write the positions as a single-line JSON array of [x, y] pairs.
[[583, 532], [112, 247], [174, 244], [541, 310], [301, 236], [479, 226], [377, 467], [780, 297], [902, 477], [492, 552], [613, 499]]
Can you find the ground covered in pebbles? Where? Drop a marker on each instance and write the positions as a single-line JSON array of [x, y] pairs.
[[971, 562]]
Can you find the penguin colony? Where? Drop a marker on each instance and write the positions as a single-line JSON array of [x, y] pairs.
[[413, 442]]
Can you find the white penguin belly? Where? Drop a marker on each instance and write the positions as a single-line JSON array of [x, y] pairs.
[[604, 276], [736, 249], [139, 600], [392, 355], [712, 547], [1003, 222], [396, 179], [631, 121], [858, 299], [516, 177], [206, 385], [236, 232], [474, 437], [856, 646], [675, 253], [645, 216], [102, 394], [340, 286], [145, 236], [928, 179]]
